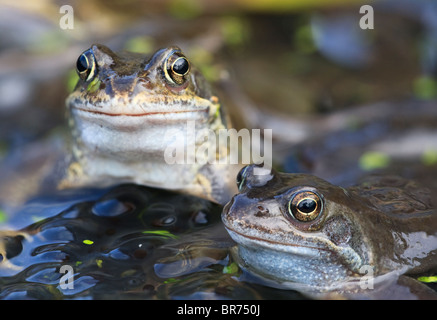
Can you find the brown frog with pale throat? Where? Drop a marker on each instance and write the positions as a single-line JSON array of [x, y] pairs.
[[131, 116], [300, 232], [136, 119]]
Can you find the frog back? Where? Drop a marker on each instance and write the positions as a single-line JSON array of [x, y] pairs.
[[403, 225]]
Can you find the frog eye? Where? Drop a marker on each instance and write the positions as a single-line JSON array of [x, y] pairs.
[[305, 206], [86, 65], [176, 68], [241, 178]]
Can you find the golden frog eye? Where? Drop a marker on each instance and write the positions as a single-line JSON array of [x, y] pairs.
[[176, 68], [305, 206], [86, 65]]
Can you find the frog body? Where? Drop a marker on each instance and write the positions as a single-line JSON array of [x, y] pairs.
[[139, 119], [129, 113], [297, 230]]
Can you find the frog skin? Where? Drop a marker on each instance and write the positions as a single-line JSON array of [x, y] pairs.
[[299, 231], [128, 110]]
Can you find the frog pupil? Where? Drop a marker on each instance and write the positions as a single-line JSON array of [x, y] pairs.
[[307, 206], [180, 66], [82, 63]]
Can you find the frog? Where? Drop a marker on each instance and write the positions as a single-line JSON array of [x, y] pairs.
[[137, 119], [367, 241], [126, 114]]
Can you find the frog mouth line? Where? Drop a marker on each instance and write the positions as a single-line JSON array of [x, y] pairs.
[[274, 242], [145, 114]]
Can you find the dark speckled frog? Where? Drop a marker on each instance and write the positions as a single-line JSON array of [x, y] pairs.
[[128, 113], [298, 231], [133, 118]]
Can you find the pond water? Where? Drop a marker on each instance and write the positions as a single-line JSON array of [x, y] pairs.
[[124, 242]]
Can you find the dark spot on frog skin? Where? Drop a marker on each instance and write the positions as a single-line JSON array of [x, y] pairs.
[[102, 85], [262, 212]]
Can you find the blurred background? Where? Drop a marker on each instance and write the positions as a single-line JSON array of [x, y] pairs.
[[294, 58]]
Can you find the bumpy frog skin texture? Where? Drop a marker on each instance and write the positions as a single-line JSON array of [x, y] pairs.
[[127, 110], [283, 234]]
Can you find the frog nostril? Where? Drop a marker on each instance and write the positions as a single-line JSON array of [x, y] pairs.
[[262, 212]]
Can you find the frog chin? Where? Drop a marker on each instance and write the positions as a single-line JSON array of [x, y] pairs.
[[304, 264], [136, 148], [132, 138], [131, 121]]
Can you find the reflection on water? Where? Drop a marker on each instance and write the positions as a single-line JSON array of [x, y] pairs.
[[124, 242]]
